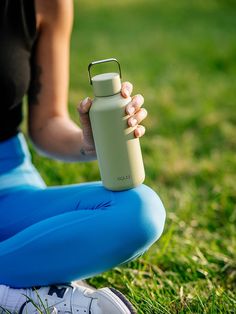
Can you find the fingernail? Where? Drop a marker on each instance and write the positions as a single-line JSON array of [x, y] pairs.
[[84, 102], [126, 92], [130, 110], [133, 122]]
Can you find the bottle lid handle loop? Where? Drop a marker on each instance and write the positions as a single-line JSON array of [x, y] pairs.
[[102, 61]]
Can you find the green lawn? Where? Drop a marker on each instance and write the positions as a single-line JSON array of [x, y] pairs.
[[181, 55]]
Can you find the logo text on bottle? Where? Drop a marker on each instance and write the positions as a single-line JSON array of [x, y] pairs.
[[121, 178]]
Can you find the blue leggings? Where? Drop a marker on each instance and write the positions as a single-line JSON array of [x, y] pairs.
[[52, 235]]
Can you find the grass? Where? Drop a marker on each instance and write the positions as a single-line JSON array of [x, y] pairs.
[[181, 55], [37, 304]]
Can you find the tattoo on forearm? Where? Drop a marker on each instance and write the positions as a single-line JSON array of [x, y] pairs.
[[35, 85]]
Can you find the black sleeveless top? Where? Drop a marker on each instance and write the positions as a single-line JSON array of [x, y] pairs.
[[17, 36]]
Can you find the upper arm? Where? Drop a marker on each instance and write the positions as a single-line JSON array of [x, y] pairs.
[[48, 90]]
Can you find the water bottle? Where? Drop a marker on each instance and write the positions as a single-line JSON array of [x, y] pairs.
[[118, 150]]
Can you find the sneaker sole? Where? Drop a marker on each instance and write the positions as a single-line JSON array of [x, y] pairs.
[[117, 296], [125, 300]]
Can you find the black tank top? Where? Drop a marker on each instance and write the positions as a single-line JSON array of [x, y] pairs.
[[17, 35]]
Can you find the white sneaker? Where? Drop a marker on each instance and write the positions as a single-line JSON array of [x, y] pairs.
[[76, 299]]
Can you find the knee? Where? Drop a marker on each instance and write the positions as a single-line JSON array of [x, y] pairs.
[[150, 215], [145, 216]]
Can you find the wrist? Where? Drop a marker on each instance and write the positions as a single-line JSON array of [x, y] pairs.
[[87, 152], [86, 155]]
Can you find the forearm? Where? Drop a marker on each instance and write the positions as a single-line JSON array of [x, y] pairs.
[[60, 138]]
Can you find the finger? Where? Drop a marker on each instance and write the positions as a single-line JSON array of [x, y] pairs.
[[84, 105], [139, 131], [126, 89], [138, 117], [135, 104]]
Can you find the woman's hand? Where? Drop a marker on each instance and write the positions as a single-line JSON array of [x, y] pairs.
[[88, 147], [137, 114], [133, 109]]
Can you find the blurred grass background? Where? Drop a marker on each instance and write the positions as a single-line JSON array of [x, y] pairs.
[[181, 55]]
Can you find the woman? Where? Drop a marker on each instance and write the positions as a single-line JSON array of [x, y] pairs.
[[50, 236]]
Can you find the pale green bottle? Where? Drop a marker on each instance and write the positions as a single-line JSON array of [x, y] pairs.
[[118, 150]]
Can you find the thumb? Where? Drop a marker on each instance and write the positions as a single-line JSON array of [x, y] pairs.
[[84, 106], [83, 109]]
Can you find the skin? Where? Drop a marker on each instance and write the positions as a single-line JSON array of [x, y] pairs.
[[51, 129]]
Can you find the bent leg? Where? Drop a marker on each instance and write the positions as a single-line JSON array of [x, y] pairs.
[[74, 232]]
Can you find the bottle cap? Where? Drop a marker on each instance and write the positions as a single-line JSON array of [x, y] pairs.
[[106, 84]]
